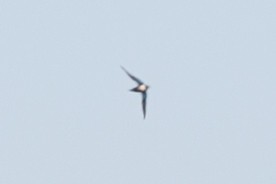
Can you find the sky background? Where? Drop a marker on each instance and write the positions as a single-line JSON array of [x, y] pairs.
[[66, 115]]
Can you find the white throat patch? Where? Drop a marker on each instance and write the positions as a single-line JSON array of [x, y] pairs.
[[142, 87]]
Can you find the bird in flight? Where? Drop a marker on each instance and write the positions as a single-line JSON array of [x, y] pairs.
[[141, 88]]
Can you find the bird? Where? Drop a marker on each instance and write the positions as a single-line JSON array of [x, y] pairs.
[[141, 88]]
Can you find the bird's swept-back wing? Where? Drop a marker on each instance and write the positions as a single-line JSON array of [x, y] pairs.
[[144, 103], [132, 77]]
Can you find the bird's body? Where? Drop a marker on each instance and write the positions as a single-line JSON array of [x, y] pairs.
[[141, 88]]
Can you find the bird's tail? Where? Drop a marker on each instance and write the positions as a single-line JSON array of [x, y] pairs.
[[134, 90]]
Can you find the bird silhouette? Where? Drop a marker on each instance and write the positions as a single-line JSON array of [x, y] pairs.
[[141, 88]]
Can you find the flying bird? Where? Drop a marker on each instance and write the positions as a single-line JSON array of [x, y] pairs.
[[141, 88]]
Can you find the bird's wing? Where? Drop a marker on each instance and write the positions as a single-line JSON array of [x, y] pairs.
[[132, 77], [144, 103]]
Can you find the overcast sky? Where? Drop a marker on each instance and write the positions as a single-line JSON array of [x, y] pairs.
[[67, 116]]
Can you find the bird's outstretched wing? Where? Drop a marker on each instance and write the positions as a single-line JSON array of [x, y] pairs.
[[132, 77], [144, 103]]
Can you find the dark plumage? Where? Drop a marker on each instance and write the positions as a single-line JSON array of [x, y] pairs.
[[141, 88]]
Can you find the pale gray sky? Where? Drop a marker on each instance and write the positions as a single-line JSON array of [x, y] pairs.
[[67, 115]]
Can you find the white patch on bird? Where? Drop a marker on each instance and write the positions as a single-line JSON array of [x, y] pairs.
[[142, 87]]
